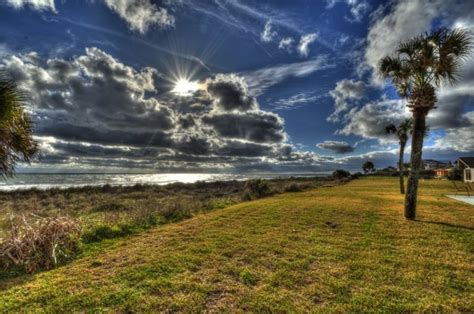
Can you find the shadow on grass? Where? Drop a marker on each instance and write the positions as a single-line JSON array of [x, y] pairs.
[[9, 279], [447, 224]]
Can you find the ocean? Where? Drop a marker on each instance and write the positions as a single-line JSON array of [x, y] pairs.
[[43, 181]]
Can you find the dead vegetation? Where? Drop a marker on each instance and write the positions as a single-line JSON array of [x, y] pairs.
[[41, 243]]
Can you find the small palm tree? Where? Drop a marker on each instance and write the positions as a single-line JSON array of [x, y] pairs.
[[403, 131], [16, 142], [417, 68]]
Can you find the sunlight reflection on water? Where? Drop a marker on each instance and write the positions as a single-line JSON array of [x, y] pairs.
[[46, 181]]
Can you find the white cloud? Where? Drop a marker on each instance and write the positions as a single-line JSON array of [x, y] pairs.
[[286, 44], [296, 101], [305, 42], [345, 92], [458, 139], [407, 19], [358, 9], [141, 14], [370, 120], [35, 4], [268, 34], [260, 80]]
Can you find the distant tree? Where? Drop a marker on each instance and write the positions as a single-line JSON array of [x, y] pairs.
[[16, 142], [402, 132], [341, 174], [368, 167], [417, 68]]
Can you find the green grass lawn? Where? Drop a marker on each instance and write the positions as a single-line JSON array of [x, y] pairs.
[[346, 248]]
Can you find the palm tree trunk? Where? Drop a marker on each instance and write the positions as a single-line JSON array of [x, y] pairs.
[[419, 126], [400, 167]]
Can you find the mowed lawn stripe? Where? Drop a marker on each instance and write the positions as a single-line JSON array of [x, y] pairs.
[[330, 249]]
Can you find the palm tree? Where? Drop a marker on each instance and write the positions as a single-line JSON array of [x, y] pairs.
[[16, 142], [417, 68], [403, 131]]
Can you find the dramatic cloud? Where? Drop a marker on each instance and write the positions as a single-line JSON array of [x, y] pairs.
[[345, 92], [336, 146], [35, 4], [458, 139], [268, 34], [305, 42], [370, 120], [230, 93], [262, 79], [407, 19], [141, 14], [93, 97], [94, 111], [286, 44], [259, 127]]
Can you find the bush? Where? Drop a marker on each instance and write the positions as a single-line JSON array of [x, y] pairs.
[[293, 187], [341, 174], [101, 232], [254, 189], [43, 244], [175, 214]]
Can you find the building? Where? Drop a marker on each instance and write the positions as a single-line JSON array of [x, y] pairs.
[[441, 173], [466, 165]]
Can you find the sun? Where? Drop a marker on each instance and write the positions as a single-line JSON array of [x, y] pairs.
[[184, 87]]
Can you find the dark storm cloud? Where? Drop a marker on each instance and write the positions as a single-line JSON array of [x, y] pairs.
[[238, 148], [230, 93], [95, 108], [260, 127], [114, 137], [336, 146]]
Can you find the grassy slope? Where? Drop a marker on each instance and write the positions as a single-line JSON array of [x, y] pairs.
[[338, 249]]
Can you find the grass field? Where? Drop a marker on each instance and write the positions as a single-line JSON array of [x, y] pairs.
[[345, 248]]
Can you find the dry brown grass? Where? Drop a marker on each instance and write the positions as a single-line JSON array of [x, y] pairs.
[[40, 244]]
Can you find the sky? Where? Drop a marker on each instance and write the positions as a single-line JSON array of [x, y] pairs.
[[224, 86]]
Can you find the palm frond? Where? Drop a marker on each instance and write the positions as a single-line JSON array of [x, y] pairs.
[[16, 141]]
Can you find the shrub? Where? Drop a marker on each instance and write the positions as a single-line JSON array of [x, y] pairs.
[[341, 174], [254, 189], [293, 187], [43, 244], [176, 213]]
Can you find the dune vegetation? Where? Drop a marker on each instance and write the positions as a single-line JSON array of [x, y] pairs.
[[331, 249]]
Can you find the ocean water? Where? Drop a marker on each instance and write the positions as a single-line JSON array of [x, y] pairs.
[[47, 181]]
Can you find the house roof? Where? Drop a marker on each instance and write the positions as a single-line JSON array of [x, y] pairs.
[[468, 161]]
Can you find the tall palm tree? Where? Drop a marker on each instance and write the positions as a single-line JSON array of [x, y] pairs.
[[16, 142], [417, 68], [403, 131]]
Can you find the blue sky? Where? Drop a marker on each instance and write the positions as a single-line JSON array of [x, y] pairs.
[[298, 78]]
